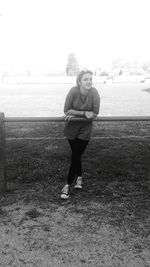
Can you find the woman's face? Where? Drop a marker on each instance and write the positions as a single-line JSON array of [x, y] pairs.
[[86, 81]]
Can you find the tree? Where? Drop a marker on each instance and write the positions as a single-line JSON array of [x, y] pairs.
[[72, 67], [146, 66]]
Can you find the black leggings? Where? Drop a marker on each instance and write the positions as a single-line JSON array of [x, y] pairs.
[[77, 147]]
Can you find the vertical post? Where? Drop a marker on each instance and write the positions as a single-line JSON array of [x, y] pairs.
[[149, 180], [2, 154]]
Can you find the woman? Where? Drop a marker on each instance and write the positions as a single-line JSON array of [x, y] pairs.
[[83, 100]]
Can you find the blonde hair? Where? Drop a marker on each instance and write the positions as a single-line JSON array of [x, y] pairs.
[[80, 75]]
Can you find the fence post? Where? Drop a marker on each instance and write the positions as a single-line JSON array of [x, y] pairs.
[[149, 180], [2, 154]]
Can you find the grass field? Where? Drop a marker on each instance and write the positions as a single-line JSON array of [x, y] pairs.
[[48, 99], [107, 224]]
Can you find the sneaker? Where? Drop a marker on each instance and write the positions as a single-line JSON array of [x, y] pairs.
[[79, 182], [65, 191]]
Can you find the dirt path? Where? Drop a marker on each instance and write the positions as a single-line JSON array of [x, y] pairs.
[[76, 232]]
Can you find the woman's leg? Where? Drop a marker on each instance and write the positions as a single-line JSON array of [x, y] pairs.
[[81, 144], [72, 169], [77, 147]]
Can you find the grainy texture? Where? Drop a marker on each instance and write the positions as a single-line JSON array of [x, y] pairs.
[[105, 224]]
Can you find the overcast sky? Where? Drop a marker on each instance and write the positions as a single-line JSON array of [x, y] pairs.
[[39, 34]]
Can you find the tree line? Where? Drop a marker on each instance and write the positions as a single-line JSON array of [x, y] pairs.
[[72, 66]]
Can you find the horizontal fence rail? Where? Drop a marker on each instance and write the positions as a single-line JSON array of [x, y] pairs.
[[3, 120], [61, 119]]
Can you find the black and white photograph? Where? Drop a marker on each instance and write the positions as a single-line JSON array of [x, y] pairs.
[[74, 133]]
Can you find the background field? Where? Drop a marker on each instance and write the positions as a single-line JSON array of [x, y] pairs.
[[48, 99]]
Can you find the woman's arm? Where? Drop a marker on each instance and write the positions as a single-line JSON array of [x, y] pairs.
[[96, 105], [96, 102], [73, 112], [68, 110]]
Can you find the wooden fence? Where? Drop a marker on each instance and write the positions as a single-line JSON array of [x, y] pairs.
[[4, 120]]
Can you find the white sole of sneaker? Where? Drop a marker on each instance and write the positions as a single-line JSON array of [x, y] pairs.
[[78, 186], [63, 196]]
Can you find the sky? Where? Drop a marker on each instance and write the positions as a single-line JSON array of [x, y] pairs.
[[40, 34]]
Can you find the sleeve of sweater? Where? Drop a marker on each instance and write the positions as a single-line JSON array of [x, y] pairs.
[[69, 100], [96, 101]]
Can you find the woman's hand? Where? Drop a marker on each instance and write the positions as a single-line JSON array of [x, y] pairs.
[[89, 114], [68, 117]]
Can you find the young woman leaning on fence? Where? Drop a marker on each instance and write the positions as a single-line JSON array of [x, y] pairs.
[[83, 100]]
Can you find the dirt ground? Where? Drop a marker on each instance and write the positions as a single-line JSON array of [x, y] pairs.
[[82, 231]]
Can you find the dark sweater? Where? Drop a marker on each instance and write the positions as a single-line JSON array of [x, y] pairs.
[[74, 100]]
